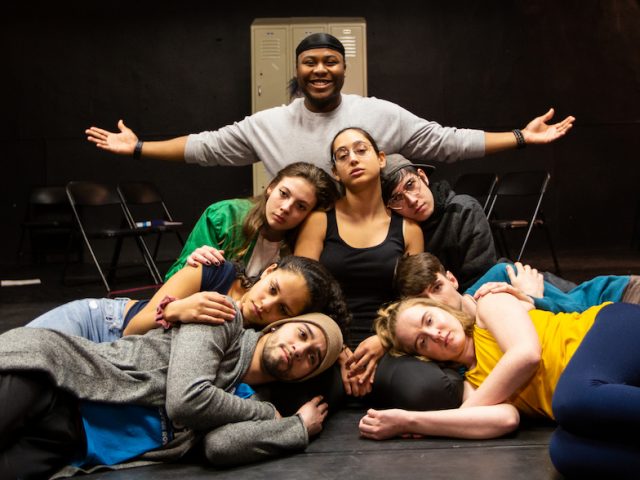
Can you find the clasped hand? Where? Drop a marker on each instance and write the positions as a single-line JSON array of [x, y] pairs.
[[526, 283], [358, 368]]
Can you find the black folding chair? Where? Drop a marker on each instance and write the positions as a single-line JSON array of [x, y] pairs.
[[146, 208], [48, 224], [480, 186], [518, 199], [100, 216]]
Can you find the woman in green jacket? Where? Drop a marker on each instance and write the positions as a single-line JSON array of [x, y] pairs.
[[257, 231]]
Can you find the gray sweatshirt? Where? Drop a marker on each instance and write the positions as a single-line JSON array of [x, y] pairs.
[[192, 370], [291, 133]]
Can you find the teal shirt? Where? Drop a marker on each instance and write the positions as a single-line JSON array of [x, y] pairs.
[[219, 226], [605, 288]]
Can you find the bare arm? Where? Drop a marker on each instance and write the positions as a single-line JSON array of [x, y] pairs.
[[413, 237], [310, 242], [191, 306], [475, 422], [507, 320], [124, 143], [537, 131]]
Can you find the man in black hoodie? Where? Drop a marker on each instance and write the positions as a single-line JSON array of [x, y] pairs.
[[455, 227]]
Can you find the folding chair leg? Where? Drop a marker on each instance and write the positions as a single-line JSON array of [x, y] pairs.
[[525, 241], [95, 260], [156, 247], [114, 260], [148, 260], [180, 239]]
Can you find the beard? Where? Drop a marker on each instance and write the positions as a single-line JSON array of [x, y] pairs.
[[272, 361], [329, 99]]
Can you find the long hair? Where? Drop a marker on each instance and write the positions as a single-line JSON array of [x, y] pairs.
[[386, 322], [325, 190], [325, 294]]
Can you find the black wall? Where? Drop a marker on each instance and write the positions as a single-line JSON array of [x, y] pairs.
[[169, 70]]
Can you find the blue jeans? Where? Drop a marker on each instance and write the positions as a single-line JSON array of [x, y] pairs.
[[97, 319]]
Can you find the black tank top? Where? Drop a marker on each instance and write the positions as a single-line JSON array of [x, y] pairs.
[[365, 274]]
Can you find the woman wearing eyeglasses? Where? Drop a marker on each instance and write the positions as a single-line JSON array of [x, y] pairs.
[[359, 241], [455, 228]]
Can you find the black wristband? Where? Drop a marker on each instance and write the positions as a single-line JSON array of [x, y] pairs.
[[137, 151], [520, 143]]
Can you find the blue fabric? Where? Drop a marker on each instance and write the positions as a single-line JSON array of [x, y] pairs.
[[243, 391], [606, 288], [117, 433], [97, 319], [597, 400]]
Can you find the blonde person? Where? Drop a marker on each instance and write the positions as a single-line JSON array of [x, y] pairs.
[[359, 241], [580, 369], [258, 230]]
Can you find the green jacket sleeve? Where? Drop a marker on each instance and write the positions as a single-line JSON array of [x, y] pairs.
[[219, 226]]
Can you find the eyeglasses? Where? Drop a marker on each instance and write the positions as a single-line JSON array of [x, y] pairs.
[[411, 186], [360, 149]]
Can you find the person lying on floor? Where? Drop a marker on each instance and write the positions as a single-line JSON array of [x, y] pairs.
[[70, 401], [290, 287], [580, 369], [424, 275], [404, 383]]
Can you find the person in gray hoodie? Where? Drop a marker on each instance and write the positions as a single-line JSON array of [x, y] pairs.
[[69, 402], [303, 128]]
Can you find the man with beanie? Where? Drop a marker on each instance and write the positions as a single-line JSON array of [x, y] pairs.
[[303, 129], [152, 397]]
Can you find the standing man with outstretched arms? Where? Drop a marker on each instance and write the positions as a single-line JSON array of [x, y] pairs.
[[302, 129]]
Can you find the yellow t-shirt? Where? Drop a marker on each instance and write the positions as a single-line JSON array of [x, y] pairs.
[[560, 335]]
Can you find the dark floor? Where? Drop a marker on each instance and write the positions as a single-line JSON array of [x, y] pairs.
[[339, 452]]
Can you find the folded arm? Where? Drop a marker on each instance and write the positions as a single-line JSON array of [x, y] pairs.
[[508, 321], [194, 399], [191, 305]]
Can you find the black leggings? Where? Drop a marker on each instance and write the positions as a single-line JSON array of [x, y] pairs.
[[597, 400], [40, 429]]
